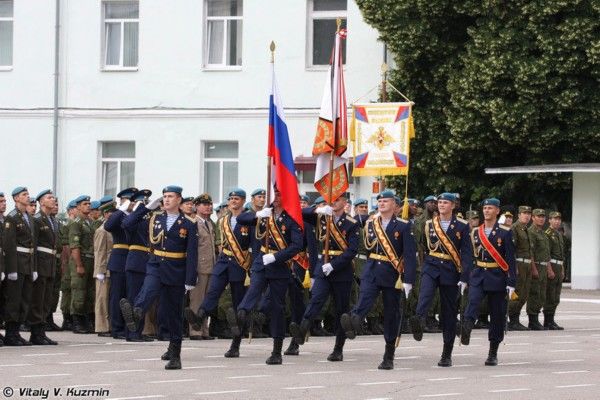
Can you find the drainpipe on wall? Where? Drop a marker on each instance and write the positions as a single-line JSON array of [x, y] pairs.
[[55, 114]]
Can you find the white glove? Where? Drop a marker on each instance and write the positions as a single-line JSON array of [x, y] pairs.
[[462, 285], [189, 287], [100, 277], [264, 213], [268, 258], [2, 276], [12, 276], [407, 289], [327, 269], [153, 205], [312, 283], [325, 210], [123, 207], [34, 276], [511, 290]]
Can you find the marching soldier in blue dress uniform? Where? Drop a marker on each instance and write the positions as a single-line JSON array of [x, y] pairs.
[[447, 263], [494, 274], [334, 277], [231, 267], [392, 251], [271, 268], [171, 269], [117, 261]]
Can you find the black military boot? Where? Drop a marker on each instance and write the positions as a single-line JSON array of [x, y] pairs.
[[492, 358], [351, 325], [482, 322], [12, 335], [337, 353], [167, 354], [465, 336], [446, 360], [131, 315], [553, 326], [50, 325], [534, 323], [78, 326], [293, 349], [405, 328], [67, 324], [275, 358], [195, 319], [299, 332], [234, 349], [388, 357], [91, 322], [317, 329], [237, 322], [175, 359], [432, 325], [515, 324], [36, 337], [417, 325], [546, 321]]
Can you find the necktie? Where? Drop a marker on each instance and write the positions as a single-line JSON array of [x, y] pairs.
[[26, 218], [206, 225]]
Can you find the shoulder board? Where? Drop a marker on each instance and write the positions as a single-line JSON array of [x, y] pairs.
[[464, 221], [349, 218], [77, 219], [403, 220], [37, 215], [13, 213], [157, 213], [549, 231], [190, 219], [506, 228]]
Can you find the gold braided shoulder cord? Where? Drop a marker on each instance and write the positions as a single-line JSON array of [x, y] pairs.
[[476, 250], [320, 234], [369, 245], [159, 237], [429, 245], [257, 234]]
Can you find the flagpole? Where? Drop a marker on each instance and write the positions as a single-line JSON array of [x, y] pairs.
[[269, 158]]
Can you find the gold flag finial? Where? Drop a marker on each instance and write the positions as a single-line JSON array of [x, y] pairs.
[[338, 22], [272, 48], [384, 68]]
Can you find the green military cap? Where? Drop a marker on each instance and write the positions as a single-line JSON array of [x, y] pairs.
[[204, 198], [108, 207], [508, 214], [554, 214], [539, 211], [524, 209], [471, 214]]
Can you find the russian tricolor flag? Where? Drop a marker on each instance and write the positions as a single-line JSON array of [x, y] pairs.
[[280, 151]]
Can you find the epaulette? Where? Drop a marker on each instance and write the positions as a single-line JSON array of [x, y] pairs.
[[549, 231], [13, 213], [77, 219], [349, 218], [157, 212], [190, 219], [506, 228], [402, 220], [464, 221]]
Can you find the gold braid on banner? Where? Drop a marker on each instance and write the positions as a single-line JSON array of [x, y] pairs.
[[242, 257], [447, 243]]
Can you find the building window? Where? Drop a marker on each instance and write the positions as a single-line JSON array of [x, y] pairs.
[[6, 33], [121, 26], [223, 28], [220, 168], [322, 16], [118, 166]]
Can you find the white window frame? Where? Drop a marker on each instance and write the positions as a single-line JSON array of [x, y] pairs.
[[312, 15], [219, 160], [121, 21], [223, 66], [118, 160], [12, 61]]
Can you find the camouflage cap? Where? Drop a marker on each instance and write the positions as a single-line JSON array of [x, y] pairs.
[[555, 214], [539, 211], [524, 209], [471, 214]]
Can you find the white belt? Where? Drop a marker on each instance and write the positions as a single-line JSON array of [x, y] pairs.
[[46, 250], [524, 260], [557, 262], [361, 256], [24, 250], [545, 263], [87, 255]]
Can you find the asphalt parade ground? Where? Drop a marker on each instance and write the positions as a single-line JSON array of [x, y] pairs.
[[533, 365]]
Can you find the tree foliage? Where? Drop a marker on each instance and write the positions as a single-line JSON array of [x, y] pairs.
[[495, 84]]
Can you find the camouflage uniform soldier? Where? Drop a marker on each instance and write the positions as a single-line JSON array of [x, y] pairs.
[[557, 259], [65, 284], [522, 239], [540, 270]]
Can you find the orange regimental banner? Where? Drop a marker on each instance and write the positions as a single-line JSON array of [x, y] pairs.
[[447, 243], [489, 247], [338, 187], [302, 260]]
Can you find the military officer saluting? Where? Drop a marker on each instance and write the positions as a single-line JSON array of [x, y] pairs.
[[447, 263], [171, 269], [18, 242], [523, 253], [47, 244], [493, 275], [230, 269], [335, 276], [392, 252], [557, 260]]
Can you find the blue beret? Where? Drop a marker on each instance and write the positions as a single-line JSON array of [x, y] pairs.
[[42, 194], [141, 195], [360, 201], [105, 200], [1, 194], [491, 202], [18, 190], [447, 196], [32, 200], [429, 198], [220, 206], [71, 205], [127, 193], [398, 200], [95, 205], [247, 206], [413, 201], [262, 192], [386, 194], [305, 198], [187, 200], [173, 189], [319, 200], [237, 192], [81, 198]]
